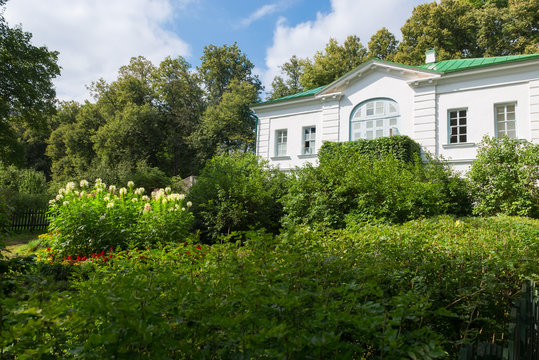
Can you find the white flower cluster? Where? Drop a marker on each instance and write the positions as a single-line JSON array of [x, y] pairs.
[[130, 184], [83, 184], [123, 192]]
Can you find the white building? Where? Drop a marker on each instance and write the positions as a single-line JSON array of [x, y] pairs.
[[445, 106]]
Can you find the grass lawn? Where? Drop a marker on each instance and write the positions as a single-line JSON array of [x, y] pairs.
[[21, 244]]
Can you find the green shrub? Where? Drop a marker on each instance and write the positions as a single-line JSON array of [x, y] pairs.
[[504, 177], [141, 173], [96, 219], [400, 147], [414, 290], [23, 188], [351, 186], [235, 192]]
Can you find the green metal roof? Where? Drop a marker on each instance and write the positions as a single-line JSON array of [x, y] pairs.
[[441, 67], [294, 96], [447, 66]]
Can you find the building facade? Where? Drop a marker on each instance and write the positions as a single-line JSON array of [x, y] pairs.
[[445, 106]]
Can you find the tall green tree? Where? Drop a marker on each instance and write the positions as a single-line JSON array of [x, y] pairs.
[[522, 28], [228, 126], [220, 66], [449, 27], [70, 145], [289, 83], [180, 101], [468, 28], [335, 61], [27, 93], [383, 45]]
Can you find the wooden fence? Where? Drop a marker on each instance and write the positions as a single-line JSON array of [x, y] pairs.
[[29, 220], [524, 332]]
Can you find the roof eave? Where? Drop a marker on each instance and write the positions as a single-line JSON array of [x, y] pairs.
[[284, 102]]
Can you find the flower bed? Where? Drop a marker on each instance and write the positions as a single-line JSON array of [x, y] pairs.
[[86, 220]]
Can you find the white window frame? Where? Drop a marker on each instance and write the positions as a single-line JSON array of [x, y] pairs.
[[281, 141], [458, 128], [308, 140], [375, 118], [505, 121]]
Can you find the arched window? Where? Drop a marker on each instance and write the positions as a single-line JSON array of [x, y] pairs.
[[374, 118]]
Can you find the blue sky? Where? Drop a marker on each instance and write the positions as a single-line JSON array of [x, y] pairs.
[[96, 37]]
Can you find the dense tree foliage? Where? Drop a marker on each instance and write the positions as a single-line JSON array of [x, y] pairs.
[[460, 29], [332, 63], [290, 83], [223, 64], [383, 45], [27, 94]]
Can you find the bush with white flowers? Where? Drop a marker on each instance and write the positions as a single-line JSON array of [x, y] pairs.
[[85, 219]]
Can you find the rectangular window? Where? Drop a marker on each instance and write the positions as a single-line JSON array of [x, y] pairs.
[[506, 120], [457, 126], [280, 142], [309, 140]]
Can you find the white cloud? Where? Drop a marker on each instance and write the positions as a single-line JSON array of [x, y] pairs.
[[259, 13], [359, 17], [96, 37]]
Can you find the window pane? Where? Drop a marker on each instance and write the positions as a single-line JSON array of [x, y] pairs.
[[369, 134], [512, 133], [510, 116], [393, 122], [370, 109], [379, 133], [510, 107], [454, 131], [453, 139], [379, 108], [356, 126], [453, 122], [462, 138], [500, 110], [392, 108], [462, 121], [379, 123], [463, 129], [510, 125], [501, 126], [462, 113], [500, 117], [370, 124]]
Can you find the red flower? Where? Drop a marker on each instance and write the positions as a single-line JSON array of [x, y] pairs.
[[48, 249], [69, 258], [78, 258], [83, 258]]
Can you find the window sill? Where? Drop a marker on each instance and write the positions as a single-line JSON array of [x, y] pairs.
[[277, 158], [307, 156], [457, 146]]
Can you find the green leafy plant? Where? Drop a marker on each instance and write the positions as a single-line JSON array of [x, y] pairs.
[[95, 219], [504, 177], [235, 192], [350, 185]]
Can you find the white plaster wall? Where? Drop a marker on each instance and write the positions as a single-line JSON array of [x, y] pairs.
[[378, 84], [294, 125], [480, 102]]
